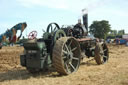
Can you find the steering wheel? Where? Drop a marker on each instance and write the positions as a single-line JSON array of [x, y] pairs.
[[52, 27], [32, 35]]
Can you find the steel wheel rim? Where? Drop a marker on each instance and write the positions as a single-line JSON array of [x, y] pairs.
[[105, 56], [70, 59], [104, 53]]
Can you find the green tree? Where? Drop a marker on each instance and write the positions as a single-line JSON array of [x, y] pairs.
[[100, 29], [121, 32], [113, 32]]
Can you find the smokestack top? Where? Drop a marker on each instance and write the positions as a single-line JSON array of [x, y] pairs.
[[84, 11]]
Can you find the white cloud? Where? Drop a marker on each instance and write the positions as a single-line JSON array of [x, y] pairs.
[[74, 5], [45, 3]]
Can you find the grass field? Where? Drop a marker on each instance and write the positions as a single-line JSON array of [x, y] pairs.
[[115, 72]]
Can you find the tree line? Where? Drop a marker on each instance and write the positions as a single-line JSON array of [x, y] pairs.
[[102, 29]]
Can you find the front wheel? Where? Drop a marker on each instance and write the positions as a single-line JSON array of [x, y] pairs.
[[101, 53]]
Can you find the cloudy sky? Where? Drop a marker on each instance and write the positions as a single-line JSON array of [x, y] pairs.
[[39, 13]]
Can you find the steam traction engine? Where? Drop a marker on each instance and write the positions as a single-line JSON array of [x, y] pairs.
[[63, 48]]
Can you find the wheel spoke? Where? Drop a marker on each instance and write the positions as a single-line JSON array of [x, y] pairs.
[[105, 50], [74, 58], [104, 56], [66, 65], [65, 52], [66, 47], [55, 29], [64, 57], [72, 66], [70, 43], [74, 49]]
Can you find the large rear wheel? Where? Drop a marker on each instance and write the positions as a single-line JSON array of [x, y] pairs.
[[66, 55]]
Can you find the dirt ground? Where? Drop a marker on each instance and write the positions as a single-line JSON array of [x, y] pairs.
[[115, 72]]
